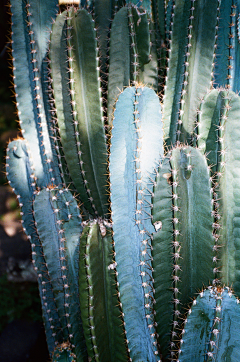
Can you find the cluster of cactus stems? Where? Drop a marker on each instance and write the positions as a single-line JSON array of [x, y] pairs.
[[128, 175]]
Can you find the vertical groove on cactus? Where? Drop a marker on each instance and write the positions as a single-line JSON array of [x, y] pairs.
[[227, 54], [232, 44], [216, 44], [84, 295], [63, 229], [119, 62], [130, 57], [186, 72], [234, 47], [75, 114], [22, 179], [57, 41], [177, 245], [115, 317], [143, 201], [103, 12], [198, 62], [193, 346], [134, 56], [159, 46], [61, 162], [135, 115], [216, 327], [162, 254], [193, 209], [32, 116], [102, 327], [169, 10], [228, 192], [209, 115], [150, 74], [209, 332], [174, 78], [88, 98], [91, 306], [175, 216], [80, 118]]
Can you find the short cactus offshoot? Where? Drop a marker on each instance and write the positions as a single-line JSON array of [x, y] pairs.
[[128, 175]]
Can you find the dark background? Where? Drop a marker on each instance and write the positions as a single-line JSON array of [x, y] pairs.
[[22, 337]]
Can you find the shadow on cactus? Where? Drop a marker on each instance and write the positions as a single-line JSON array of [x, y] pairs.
[[131, 200]]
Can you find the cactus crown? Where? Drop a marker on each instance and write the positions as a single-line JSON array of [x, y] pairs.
[[131, 200]]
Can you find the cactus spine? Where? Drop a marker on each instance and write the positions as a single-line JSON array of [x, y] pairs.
[[130, 201]]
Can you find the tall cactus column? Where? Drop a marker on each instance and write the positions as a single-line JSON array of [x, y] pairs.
[[136, 148]]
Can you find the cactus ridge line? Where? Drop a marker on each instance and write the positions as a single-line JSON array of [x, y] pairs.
[[69, 227], [103, 326], [227, 179], [161, 208], [216, 310], [135, 288], [134, 54], [55, 136], [25, 110], [64, 228], [162, 254], [35, 56], [18, 158], [227, 55], [119, 62], [189, 162], [186, 73], [74, 109], [90, 301], [231, 47], [198, 61], [145, 258], [174, 79]]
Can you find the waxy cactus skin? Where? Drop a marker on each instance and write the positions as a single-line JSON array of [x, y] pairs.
[[128, 175]]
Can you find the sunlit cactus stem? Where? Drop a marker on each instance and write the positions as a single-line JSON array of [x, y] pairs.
[[128, 177]]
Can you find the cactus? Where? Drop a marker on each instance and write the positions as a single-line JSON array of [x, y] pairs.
[[212, 321], [127, 175]]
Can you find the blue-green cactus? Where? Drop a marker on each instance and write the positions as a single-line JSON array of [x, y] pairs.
[[137, 145], [130, 201], [210, 331]]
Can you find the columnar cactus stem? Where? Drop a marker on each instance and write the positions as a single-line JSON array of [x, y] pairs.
[[216, 313], [75, 114], [102, 316], [21, 177], [115, 281], [129, 117], [63, 230], [30, 40]]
